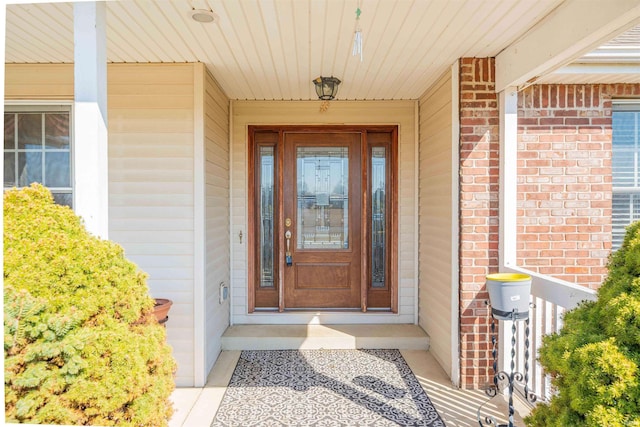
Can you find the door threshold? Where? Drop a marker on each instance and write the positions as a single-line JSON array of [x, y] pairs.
[[323, 310], [315, 309]]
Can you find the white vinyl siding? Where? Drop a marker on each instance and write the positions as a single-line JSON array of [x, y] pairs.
[[151, 188], [402, 113], [38, 82], [216, 134], [625, 169], [436, 219], [152, 199]]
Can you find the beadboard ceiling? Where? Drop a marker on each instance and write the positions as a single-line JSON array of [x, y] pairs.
[[272, 49]]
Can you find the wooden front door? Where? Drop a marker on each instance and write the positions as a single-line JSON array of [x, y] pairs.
[[322, 220], [322, 211]]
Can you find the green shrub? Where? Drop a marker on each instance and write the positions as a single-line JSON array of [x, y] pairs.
[[81, 344], [595, 359]]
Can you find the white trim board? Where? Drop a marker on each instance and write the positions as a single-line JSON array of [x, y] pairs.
[[455, 224], [199, 263]]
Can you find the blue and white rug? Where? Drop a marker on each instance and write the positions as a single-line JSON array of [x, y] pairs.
[[325, 388]]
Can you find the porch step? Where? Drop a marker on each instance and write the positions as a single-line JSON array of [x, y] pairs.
[[309, 337]]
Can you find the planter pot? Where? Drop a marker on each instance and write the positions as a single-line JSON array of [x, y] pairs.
[[509, 292], [161, 309]]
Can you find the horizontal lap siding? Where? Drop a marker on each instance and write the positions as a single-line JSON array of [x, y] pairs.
[[39, 81], [151, 198], [216, 111], [151, 187], [436, 218], [339, 112]]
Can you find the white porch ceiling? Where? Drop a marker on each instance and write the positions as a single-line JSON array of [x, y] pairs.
[[272, 49]]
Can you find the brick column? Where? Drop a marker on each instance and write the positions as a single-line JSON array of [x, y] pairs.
[[479, 150]]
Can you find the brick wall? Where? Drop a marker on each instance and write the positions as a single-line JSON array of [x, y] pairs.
[[479, 149], [564, 179], [564, 193]]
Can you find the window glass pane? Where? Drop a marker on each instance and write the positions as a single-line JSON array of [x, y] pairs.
[[9, 170], [624, 128], [626, 171], [9, 131], [266, 208], [378, 216], [56, 128], [624, 164], [626, 209], [322, 197], [57, 169], [29, 167], [621, 215], [65, 199], [30, 131], [625, 149], [38, 149]]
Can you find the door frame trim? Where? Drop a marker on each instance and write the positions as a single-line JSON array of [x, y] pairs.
[[279, 224]]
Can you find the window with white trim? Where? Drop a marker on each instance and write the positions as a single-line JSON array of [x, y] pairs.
[[625, 168], [37, 148]]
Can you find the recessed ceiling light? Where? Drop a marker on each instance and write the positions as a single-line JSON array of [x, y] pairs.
[[204, 16]]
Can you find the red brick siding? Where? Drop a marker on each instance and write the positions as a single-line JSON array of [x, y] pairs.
[[564, 193], [564, 179], [559, 228], [479, 149]]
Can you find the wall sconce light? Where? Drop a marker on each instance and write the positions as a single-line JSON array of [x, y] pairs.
[[326, 87]]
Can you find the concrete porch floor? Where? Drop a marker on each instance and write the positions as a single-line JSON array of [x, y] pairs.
[[196, 407]]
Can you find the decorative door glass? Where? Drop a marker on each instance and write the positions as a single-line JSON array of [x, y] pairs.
[[266, 206], [322, 197], [378, 216]]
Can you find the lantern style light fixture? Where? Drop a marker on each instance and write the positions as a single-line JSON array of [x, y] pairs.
[[326, 87]]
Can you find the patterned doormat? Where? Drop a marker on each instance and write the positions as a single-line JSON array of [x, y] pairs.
[[325, 388]]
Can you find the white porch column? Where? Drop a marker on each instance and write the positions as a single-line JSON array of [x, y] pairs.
[[508, 194], [91, 192], [508, 199]]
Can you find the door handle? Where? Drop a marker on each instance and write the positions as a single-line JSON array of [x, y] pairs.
[[288, 258]]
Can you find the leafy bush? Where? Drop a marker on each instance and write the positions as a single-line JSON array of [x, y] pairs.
[[81, 344], [595, 358]]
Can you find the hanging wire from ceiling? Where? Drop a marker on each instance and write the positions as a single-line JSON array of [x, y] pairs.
[[357, 38]]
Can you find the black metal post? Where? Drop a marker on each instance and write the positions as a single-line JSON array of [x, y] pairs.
[[511, 378]]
